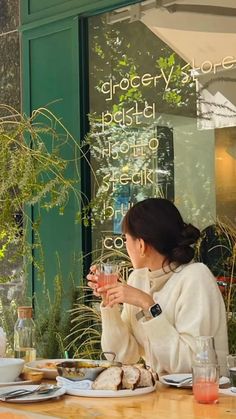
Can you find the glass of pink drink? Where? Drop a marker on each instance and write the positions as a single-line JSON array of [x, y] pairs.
[[206, 383], [107, 273]]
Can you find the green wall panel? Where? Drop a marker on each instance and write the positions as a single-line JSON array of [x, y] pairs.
[[51, 74], [35, 6], [48, 10]]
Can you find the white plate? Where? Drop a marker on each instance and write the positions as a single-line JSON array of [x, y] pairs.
[[180, 377], [175, 377], [109, 393], [38, 366], [32, 397], [18, 382]]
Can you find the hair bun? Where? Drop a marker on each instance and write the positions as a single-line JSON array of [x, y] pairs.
[[189, 235]]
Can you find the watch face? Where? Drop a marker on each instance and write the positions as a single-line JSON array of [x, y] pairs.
[[155, 310]]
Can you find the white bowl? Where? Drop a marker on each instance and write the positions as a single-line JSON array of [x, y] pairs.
[[10, 369]]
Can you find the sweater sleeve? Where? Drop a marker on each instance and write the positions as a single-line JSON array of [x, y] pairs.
[[117, 336], [199, 309]]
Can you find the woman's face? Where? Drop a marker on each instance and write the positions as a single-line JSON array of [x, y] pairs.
[[135, 251]]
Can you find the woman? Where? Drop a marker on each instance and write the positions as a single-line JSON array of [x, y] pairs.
[[168, 299]]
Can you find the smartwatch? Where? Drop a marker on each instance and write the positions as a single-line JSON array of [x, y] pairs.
[[153, 311]]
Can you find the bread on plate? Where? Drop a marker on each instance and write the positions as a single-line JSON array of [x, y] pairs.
[[109, 379], [146, 378], [131, 377]]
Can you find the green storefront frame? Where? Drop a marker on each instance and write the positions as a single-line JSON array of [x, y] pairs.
[[54, 66], [33, 11]]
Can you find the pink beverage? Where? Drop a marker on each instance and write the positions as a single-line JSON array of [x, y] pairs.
[[107, 273], [206, 391], [206, 382], [105, 279]]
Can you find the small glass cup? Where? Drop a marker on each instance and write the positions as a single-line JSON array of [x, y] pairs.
[[231, 364], [108, 273], [206, 383]]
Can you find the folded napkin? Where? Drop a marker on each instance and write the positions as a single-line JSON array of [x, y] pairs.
[[76, 385], [2, 342], [228, 391]]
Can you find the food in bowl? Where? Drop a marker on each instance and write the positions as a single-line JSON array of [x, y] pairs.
[[10, 369], [83, 369], [45, 366], [48, 365]]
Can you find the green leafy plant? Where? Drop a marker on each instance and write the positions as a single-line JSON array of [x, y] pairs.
[[8, 316], [33, 172], [53, 323]]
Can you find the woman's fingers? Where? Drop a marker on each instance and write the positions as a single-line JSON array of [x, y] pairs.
[[92, 285], [93, 268], [108, 287], [114, 298], [113, 294], [92, 278]]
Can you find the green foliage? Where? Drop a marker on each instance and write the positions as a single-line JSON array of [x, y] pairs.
[[52, 323], [8, 316], [33, 172]]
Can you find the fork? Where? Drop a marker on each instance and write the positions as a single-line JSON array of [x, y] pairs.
[[185, 381], [41, 389], [17, 393], [179, 382]]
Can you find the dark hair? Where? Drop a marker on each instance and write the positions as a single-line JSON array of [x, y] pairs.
[[158, 222]]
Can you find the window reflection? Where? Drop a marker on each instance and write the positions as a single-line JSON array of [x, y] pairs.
[[163, 111]]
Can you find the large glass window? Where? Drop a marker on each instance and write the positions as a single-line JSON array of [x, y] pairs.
[[163, 111]]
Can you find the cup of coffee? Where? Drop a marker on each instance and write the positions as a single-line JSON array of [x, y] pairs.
[[231, 364]]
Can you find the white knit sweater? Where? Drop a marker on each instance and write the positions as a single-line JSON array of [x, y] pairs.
[[192, 306]]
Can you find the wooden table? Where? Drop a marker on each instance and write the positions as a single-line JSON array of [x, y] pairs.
[[164, 403]]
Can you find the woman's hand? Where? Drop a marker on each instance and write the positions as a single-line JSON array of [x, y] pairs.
[[123, 293], [93, 280]]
